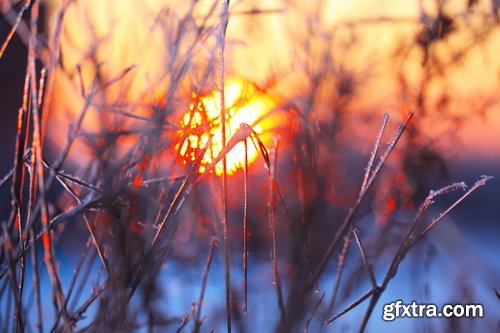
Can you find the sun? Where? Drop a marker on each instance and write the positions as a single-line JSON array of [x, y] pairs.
[[245, 103]]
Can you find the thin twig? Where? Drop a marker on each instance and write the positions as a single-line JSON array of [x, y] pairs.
[[368, 267], [340, 270], [77, 270], [373, 154], [479, 183], [273, 227], [411, 238], [36, 281], [14, 28], [7, 248], [245, 230], [184, 322], [362, 194], [225, 242], [351, 306], [197, 321], [79, 313], [315, 309]]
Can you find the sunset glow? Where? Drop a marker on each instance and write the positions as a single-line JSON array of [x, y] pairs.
[[101, 43], [244, 104]]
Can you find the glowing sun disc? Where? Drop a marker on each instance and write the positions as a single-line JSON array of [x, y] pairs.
[[244, 104]]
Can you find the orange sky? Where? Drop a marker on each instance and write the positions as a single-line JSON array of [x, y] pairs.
[[262, 47]]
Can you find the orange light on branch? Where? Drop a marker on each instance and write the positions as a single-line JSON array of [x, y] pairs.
[[245, 103]]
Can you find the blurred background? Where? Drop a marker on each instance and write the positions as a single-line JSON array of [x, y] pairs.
[[316, 77]]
